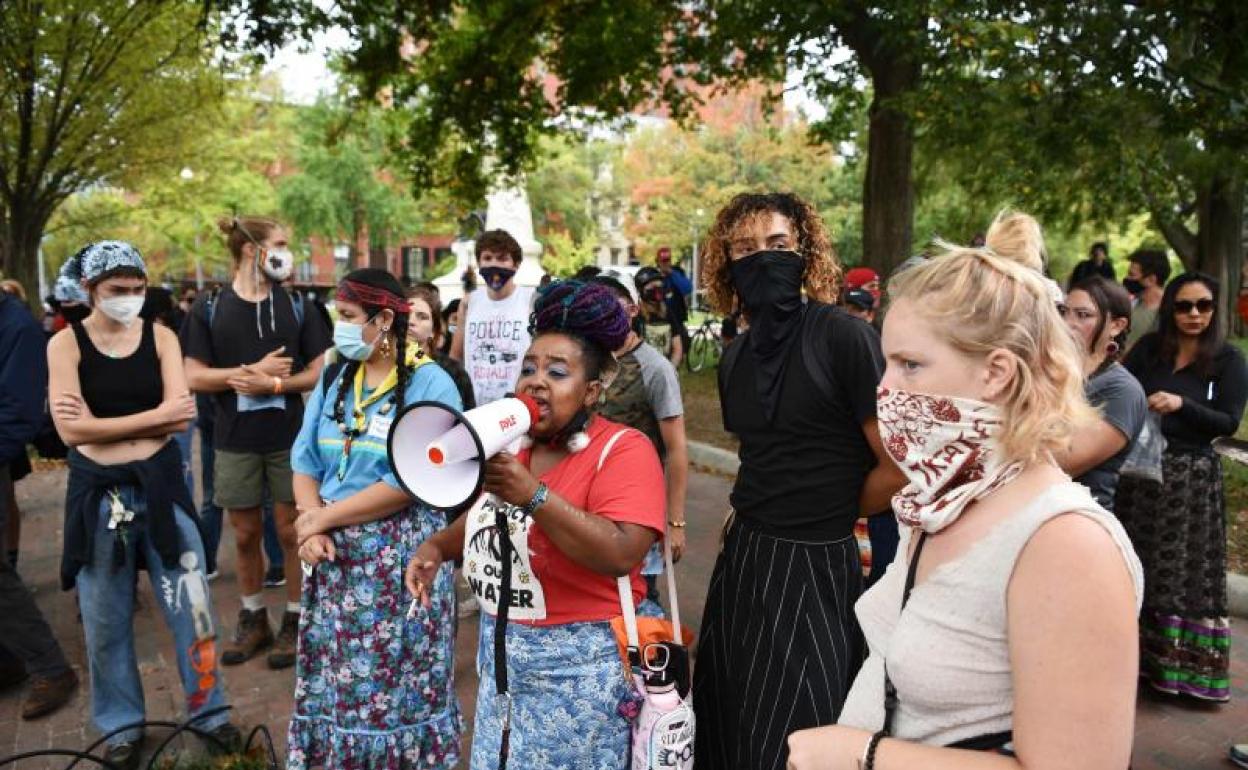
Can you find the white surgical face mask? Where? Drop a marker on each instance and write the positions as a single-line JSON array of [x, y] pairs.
[[277, 264], [123, 310]]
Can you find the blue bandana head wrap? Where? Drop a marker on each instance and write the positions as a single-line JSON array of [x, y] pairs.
[[69, 290], [93, 262]]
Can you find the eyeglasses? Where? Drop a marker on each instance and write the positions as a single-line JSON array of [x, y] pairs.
[[1186, 306]]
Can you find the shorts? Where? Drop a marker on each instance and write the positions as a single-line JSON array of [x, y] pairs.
[[240, 478]]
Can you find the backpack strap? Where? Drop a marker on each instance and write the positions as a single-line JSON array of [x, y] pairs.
[[296, 304], [329, 374]]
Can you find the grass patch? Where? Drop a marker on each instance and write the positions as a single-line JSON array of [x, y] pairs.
[[703, 419]]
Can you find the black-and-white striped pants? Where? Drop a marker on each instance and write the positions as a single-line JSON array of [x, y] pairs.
[[779, 646]]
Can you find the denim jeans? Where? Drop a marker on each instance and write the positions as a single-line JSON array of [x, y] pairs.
[[184, 440], [106, 599], [210, 515]]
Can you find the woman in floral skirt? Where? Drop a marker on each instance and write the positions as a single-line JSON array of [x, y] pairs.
[[374, 685]]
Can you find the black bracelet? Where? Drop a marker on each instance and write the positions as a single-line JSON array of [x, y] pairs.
[[872, 745]]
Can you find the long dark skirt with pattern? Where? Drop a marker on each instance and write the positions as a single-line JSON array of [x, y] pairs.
[[1178, 529], [374, 688]]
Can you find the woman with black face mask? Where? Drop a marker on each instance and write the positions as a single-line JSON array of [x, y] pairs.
[[799, 391]]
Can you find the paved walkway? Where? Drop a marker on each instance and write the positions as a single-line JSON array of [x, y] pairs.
[[1169, 735]]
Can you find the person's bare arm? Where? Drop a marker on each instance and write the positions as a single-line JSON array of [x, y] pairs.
[[1073, 657], [1096, 443], [307, 492], [673, 432], [594, 542], [77, 425], [457, 340], [203, 378], [678, 350], [376, 501], [884, 480]]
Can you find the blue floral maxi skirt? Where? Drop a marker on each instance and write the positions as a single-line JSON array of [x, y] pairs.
[[566, 685], [374, 689]]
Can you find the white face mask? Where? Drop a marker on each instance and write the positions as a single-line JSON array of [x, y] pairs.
[[278, 264], [123, 310]]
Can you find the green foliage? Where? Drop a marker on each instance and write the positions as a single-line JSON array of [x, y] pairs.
[[175, 214], [566, 182], [564, 255], [341, 189], [678, 178], [94, 94], [440, 268]]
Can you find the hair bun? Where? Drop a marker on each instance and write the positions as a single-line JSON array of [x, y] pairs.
[[1017, 237], [227, 224]]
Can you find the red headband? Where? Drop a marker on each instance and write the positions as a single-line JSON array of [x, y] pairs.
[[363, 294]]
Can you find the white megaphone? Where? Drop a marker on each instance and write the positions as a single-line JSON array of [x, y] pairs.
[[438, 453]]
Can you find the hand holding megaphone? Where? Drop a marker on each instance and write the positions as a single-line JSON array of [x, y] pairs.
[[438, 454]]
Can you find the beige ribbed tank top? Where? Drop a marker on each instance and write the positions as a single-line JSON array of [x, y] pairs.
[[949, 656]]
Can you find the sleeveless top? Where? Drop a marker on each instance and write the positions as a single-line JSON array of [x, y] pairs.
[[117, 387], [948, 654], [496, 337]]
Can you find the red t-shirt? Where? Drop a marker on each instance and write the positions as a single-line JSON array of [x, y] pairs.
[[628, 488]]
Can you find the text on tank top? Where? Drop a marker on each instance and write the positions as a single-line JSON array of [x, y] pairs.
[[496, 337]]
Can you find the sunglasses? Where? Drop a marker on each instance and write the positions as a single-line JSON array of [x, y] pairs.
[[1186, 306]]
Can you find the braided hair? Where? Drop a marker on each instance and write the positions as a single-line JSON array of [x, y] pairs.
[[588, 313], [383, 281]]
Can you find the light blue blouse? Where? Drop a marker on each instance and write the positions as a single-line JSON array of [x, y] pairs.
[[318, 447]]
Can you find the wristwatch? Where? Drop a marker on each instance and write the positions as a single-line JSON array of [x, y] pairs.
[[538, 499]]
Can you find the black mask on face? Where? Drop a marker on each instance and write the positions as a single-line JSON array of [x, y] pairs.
[[1132, 286], [75, 313], [497, 277], [769, 282], [654, 294]]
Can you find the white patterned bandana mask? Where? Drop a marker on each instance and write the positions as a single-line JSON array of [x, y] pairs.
[[948, 449]]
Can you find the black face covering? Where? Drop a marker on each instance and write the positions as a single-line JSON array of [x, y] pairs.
[[1133, 287], [769, 284], [497, 277]]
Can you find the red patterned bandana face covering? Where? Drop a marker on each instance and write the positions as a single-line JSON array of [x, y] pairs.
[[948, 450]]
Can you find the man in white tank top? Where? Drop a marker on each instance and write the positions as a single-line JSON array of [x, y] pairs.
[[493, 334]]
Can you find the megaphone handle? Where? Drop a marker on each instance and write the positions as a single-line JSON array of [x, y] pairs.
[[500, 635]]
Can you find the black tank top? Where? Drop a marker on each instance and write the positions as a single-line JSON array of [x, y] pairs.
[[117, 387]]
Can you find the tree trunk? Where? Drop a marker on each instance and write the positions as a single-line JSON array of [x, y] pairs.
[[888, 189], [1220, 244], [21, 236]]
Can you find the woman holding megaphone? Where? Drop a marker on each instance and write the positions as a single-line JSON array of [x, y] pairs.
[[374, 683], [579, 507]]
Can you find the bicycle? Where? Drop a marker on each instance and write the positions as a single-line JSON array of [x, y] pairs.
[[705, 346]]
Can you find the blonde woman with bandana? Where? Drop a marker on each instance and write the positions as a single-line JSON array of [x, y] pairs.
[[1004, 633]]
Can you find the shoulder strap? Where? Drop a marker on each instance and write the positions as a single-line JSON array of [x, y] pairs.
[[328, 374], [624, 584], [296, 304], [211, 305], [890, 691]]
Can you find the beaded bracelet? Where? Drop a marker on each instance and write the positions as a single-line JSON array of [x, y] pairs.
[[868, 755]]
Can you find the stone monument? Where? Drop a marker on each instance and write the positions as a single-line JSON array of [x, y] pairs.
[[506, 209]]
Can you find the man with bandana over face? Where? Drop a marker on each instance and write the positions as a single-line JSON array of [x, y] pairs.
[[255, 347], [494, 331], [799, 390]]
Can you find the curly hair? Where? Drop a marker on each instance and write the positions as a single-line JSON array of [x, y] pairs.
[[823, 270], [588, 313], [501, 242]]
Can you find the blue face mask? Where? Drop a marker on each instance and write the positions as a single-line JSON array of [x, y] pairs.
[[349, 340]]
